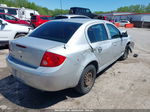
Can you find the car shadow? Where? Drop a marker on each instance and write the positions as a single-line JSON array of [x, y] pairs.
[[103, 71], [28, 97], [3, 47]]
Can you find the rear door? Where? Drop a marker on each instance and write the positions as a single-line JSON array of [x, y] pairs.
[[100, 43], [117, 41]]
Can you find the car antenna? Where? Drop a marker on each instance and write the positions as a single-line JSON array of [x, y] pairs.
[[64, 46]]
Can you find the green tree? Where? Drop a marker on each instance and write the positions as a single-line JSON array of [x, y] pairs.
[[147, 9]]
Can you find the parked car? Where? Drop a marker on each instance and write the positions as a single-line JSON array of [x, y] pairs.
[[123, 22], [11, 19], [82, 11], [9, 31], [21, 13], [67, 54], [37, 20], [71, 16]]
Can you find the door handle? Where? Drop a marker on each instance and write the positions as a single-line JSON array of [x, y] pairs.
[[99, 49]]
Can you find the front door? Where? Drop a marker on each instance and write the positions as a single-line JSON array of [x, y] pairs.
[[117, 40], [5, 31]]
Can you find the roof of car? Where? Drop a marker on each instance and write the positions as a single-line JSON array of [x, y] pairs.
[[42, 15], [73, 15], [82, 21]]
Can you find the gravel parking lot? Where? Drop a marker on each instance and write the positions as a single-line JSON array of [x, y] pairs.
[[123, 85]]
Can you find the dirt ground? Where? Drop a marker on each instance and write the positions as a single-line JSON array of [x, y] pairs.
[[123, 85]]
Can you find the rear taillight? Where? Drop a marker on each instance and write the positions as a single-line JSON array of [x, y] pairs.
[[52, 60]]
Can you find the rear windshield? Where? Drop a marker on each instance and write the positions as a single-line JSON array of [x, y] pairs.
[[61, 17], [47, 18], [56, 31], [82, 17], [33, 17]]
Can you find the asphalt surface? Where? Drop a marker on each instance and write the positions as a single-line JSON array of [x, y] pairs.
[[123, 85]]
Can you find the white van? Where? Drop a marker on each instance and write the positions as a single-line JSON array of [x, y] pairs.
[[21, 13]]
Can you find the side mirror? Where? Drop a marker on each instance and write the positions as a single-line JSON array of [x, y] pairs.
[[124, 34]]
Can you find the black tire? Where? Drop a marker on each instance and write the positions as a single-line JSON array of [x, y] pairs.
[[126, 53], [19, 35], [87, 80]]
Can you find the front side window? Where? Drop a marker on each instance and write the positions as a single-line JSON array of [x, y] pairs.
[[97, 33], [56, 31], [8, 17], [88, 11], [114, 32]]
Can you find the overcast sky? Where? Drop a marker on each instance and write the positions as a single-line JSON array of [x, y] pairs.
[[94, 5]]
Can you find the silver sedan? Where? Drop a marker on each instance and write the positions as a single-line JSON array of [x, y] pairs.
[[67, 53]]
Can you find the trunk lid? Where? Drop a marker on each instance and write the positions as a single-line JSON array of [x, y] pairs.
[[30, 50]]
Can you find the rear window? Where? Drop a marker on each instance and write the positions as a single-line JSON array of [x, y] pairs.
[[61, 17], [56, 31], [33, 17], [47, 18], [82, 17]]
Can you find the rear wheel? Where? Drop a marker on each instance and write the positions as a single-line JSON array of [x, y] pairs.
[[19, 35], [87, 80]]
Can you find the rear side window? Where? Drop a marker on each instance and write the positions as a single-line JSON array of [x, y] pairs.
[[33, 17], [56, 31], [114, 32], [124, 21], [97, 33]]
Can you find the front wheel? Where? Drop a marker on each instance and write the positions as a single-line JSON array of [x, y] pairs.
[[126, 53], [87, 80]]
